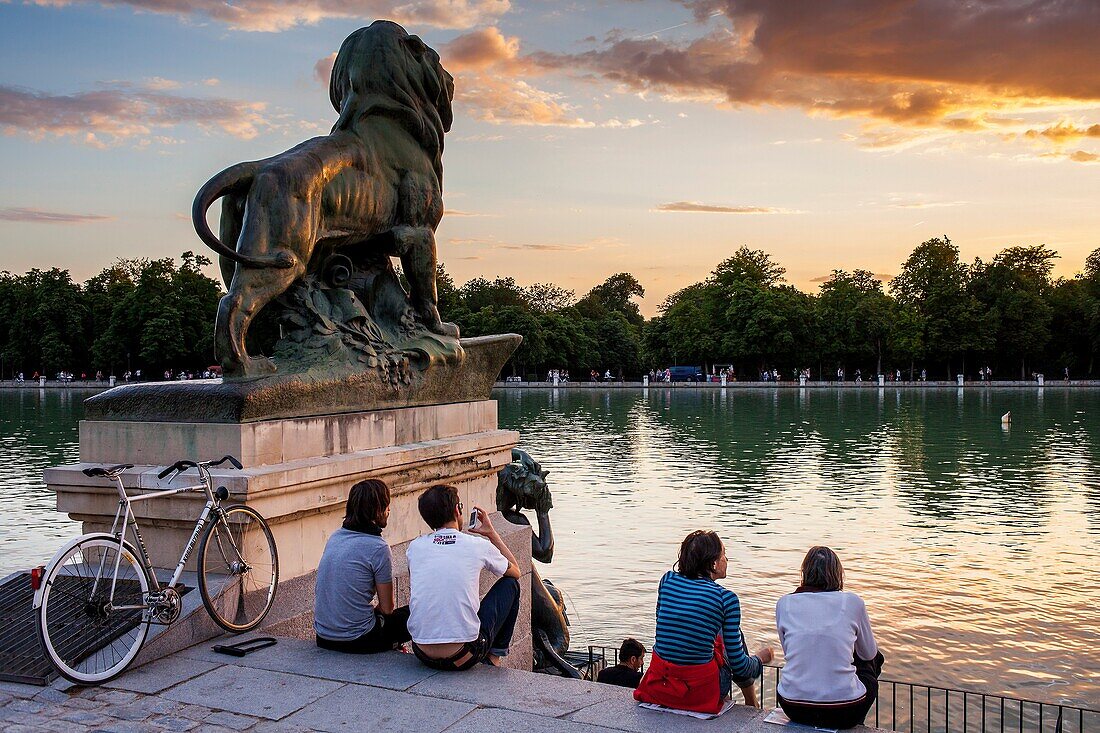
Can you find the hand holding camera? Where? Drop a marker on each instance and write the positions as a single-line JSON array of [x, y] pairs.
[[480, 523]]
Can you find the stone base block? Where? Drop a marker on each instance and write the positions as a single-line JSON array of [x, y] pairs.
[[274, 442], [297, 472]]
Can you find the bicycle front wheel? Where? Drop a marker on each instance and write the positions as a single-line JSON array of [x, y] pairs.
[[238, 569], [92, 620]]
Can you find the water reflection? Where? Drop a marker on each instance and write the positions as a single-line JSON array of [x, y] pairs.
[[974, 547]]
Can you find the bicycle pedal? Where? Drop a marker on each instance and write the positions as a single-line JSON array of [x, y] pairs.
[[244, 648]]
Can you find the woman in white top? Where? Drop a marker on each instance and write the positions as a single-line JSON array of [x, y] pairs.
[[830, 679]]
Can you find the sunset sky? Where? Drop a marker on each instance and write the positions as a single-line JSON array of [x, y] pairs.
[[590, 137]]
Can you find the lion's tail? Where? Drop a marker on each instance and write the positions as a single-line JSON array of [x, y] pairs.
[[232, 178]]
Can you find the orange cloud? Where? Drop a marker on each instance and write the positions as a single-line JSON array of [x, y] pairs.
[[112, 115], [1065, 132], [1081, 156], [279, 15], [322, 70], [695, 207], [498, 100], [491, 243], [488, 86], [481, 49]]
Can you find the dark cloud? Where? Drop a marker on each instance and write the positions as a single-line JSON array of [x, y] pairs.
[[936, 63], [114, 114], [40, 216]]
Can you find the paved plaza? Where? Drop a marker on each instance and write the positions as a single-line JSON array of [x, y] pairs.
[[294, 686]]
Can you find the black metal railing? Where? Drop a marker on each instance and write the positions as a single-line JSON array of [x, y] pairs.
[[914, 708]]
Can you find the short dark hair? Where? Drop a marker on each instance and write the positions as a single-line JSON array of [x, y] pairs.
[[699, 552], [437, 505], [631, 648], [367, 502], [821, 568]]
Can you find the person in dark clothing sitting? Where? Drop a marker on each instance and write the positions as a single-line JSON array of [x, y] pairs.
[[628, 672]]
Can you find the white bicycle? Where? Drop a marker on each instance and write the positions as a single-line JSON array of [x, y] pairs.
[[96, 599]]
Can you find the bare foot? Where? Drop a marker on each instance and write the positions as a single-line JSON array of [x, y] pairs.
[[750, 696], [493, 660]]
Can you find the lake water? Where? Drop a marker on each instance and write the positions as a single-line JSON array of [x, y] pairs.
[[976, 549]]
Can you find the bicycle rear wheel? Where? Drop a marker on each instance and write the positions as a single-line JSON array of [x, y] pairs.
[[82, 628], [238, 569]]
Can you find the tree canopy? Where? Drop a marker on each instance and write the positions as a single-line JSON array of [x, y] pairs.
[[938, 313]]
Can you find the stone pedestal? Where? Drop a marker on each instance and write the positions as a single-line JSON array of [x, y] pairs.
[[297, 473]]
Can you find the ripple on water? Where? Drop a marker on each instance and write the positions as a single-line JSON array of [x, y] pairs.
[[38, 428]]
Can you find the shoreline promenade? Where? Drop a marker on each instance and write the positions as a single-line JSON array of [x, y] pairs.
[[295, 686], [867, 384]]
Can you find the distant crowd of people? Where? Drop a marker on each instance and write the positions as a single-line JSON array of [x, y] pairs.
[[127, 376], [832, 662]]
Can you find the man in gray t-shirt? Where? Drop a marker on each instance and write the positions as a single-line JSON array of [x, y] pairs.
[[355, 570]]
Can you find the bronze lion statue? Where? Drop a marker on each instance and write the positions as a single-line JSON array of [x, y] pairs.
[[375, 180]]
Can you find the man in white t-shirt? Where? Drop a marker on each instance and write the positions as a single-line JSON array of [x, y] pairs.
[[450, 628]]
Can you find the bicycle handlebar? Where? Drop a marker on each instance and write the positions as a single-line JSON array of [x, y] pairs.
[[231, 459], [97, 471], [184, 465], [177, 466]]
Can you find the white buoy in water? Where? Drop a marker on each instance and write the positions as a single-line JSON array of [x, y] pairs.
[[1006, 419]]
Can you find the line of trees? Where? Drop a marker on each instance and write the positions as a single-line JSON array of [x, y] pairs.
[[938, 313], [137, 314]]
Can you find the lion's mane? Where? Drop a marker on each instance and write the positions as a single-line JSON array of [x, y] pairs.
[[382, 70]]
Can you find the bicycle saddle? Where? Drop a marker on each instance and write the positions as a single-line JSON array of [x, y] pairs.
[[112, 471]]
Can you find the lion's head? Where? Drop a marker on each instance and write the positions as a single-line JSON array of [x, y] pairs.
[[522, 484], [381, 69]]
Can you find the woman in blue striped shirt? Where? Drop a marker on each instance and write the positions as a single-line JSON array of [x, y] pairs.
[[693, 611]]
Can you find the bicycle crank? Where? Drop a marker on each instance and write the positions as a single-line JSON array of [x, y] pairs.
[[165, 607]]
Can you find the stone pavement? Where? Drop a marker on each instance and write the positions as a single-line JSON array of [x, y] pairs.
[[294, 686]]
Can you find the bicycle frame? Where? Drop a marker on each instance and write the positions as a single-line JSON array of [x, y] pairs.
[[125, 516]]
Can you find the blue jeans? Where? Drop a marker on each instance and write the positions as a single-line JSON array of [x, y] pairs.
[[498, 612], [725, 677]]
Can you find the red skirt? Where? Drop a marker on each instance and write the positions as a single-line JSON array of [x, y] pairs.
[[681, 686]]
